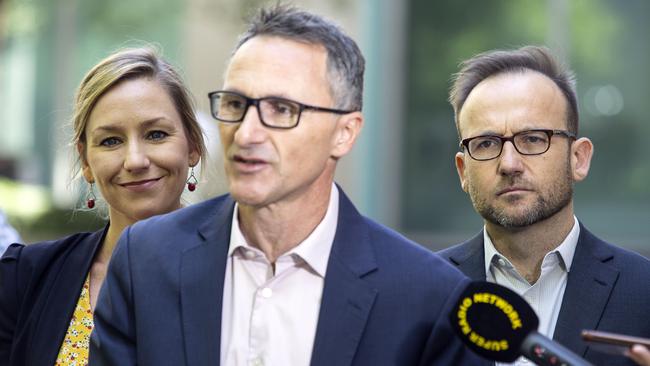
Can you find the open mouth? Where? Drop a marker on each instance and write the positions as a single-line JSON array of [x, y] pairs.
[[251, 161], [246, 165]]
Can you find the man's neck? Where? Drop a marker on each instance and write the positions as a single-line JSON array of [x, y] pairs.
[[526, 247], [277, 228]]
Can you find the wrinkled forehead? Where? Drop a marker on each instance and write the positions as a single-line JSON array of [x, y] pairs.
[[511, 102]]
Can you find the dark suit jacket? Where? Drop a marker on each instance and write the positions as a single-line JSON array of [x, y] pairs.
[[383, 300], [39, 289], [607, 289]]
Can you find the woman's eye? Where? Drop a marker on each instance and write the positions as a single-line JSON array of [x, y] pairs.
[[157, 135], [110, 141]]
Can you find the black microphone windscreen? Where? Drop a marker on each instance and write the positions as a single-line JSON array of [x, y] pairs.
[[493, 320]]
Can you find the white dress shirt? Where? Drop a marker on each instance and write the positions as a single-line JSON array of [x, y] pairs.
[[270, 317], [545, 295]]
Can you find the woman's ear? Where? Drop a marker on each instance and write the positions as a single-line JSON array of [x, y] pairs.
[[85, 168], [194, 156]]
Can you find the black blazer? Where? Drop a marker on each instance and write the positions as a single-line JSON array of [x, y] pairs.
[[39, 289], [607, 289]]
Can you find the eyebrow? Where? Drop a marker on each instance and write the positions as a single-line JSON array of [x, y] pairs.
[[279, 96], [489, 133], [115, 128], [494, 133]]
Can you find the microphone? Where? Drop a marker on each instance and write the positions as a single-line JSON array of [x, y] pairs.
[[496, 323]]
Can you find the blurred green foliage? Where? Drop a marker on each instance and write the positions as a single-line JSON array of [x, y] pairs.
[[606, 46], [56, 223]]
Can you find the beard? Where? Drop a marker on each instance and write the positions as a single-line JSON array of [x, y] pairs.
[[550, 200]]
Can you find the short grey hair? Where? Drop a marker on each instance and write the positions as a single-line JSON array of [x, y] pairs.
[[345, 63]]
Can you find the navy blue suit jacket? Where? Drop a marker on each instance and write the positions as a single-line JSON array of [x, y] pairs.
[[607, 289], [39, 289], [383, 301]]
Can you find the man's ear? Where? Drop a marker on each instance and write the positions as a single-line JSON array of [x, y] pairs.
[[85, 168], [460, 169], [582, 150], [348, 128]]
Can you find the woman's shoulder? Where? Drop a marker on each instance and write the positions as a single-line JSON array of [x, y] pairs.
[[41, 253]]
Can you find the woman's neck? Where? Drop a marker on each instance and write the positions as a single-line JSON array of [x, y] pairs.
[[99, 266], [110, 241]]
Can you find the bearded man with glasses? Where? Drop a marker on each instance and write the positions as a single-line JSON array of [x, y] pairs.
[[520, 155]]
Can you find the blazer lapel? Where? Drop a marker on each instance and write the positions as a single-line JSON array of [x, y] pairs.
[[347, 298], [62, 299], [589, 285], [470, 258], [201, 287]]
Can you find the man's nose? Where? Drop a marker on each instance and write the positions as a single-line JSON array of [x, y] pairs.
[[250, 129], [510, 160]]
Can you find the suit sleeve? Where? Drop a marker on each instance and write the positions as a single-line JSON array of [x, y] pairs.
[[9, 300], [113, 340], [443, 346]]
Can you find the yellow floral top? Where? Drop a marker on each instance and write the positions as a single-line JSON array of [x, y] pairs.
[[74, 350]]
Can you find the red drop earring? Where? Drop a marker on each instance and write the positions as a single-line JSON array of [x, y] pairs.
[[192, 181], [90, 197]]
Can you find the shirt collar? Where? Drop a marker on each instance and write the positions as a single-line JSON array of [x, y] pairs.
[[565, 250], [314, 250]]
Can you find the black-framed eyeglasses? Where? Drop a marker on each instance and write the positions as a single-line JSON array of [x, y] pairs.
[[274, 112], [529, 142]]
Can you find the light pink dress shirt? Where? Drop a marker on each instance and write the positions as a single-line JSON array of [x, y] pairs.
[[270, 318]]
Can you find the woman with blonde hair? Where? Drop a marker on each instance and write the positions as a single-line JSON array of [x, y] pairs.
[[137, 138]]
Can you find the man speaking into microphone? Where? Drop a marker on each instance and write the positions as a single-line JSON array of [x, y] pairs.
[[520, 155]]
